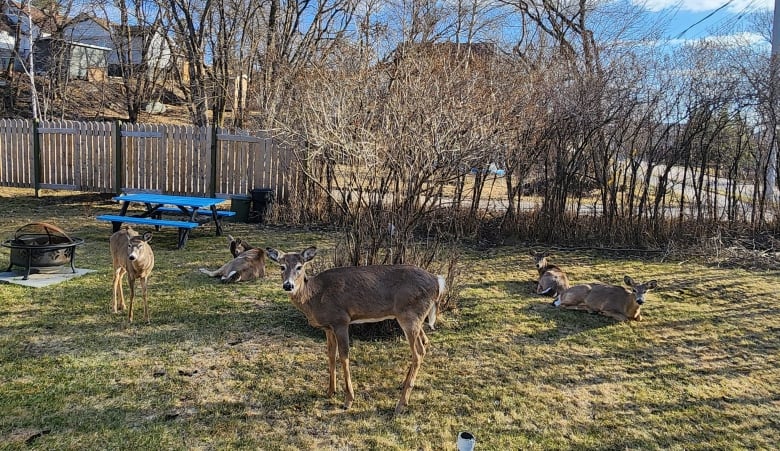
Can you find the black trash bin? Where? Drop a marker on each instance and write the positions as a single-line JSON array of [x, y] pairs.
[[241, 206], [262, 198]]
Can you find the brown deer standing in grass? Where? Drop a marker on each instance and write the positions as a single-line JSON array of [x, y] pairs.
[[552, 280], [608, 300], [338, 297], [131, 254], [248, 263]]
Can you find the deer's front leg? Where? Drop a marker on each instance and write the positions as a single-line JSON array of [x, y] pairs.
[[332, 347], [342, 339], [144, 285], [131, 282]]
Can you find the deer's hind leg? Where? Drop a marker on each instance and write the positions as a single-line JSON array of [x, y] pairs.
[[217, 273], [118, 294], [332, 348], [417, 343]]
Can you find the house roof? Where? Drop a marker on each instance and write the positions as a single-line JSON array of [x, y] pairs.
[[106, 25], [76, 43], [46, 18]]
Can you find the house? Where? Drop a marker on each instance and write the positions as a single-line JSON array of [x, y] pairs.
[[6, 46], [75, 60], [145, 48], [16, 16]]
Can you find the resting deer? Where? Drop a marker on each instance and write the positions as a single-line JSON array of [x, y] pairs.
[[608, 300], [552, 279], [237, 246], [338, 297], [248, 263], [131, 254]]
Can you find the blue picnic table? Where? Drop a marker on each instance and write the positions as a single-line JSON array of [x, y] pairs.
[[155, 205]]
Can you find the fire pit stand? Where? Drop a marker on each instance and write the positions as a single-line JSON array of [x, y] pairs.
[[41, 248]]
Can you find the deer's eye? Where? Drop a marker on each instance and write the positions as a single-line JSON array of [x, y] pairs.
[[283, 267], [298, 267]]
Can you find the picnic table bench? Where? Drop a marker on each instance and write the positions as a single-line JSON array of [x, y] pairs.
[[183, 226]]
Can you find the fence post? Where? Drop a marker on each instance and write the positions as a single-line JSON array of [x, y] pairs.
[[213, 172], [119, 162], [36, 172]]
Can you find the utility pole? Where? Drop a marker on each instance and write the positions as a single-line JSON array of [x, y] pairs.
[[771, 172]]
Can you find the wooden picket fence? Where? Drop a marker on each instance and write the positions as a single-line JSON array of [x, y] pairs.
[[113, 157]]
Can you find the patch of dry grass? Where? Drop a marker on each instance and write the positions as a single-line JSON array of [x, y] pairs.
[[236, 366]]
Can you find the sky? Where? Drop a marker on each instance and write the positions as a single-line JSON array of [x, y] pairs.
[[696, 19]]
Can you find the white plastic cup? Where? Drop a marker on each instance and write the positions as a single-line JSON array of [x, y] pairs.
[[466, 441]]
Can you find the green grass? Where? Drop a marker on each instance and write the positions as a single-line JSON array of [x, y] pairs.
[[237, 367]]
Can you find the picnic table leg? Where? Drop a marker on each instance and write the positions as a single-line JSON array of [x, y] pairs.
[[115, 226], [183, 235], [217, 220]]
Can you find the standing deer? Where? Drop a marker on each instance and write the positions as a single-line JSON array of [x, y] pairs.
[[552, 279], [248, 263], [131, 254], [338, 297], [608, 300]]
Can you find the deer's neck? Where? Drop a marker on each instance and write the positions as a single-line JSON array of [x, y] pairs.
[[301, 299], [302, 294], [546, 268]]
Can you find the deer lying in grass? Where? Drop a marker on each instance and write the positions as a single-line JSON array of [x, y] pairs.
[[338, 297], [131, 254], [237, 246], [552, 280], [248, 263], [608, 300]]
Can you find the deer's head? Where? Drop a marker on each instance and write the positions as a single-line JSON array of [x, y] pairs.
[[293, 266], [137, 245], [640, 289], [540, 259]]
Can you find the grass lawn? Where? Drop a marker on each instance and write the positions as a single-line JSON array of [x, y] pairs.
[[237, 367]]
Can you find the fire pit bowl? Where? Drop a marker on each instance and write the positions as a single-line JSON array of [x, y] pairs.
[[41, 248]]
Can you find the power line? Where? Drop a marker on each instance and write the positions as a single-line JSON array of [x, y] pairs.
[[704, 18]]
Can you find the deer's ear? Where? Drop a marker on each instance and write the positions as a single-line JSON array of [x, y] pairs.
[[629, 281], [273, 254], [147, 236], [652, 285], [309, 253]]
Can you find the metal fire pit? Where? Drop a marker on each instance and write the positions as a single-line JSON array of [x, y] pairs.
[[39, 247]]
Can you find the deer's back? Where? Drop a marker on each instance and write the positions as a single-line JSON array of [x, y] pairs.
[[554, 277], [250, 264], [375, 291], [609, 297]]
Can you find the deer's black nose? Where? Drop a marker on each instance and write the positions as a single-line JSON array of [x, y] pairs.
[[287, 286]]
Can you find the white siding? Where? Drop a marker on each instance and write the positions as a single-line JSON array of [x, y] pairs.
[[90, 32]]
